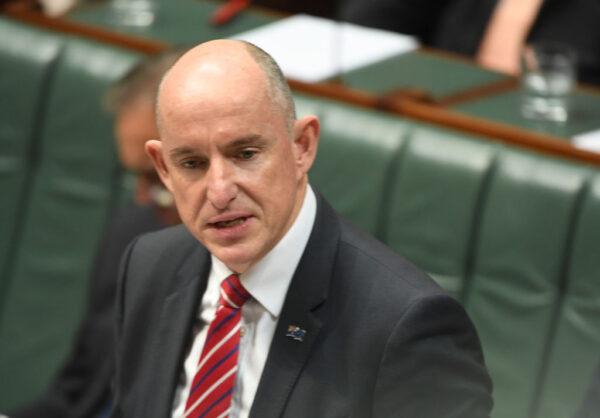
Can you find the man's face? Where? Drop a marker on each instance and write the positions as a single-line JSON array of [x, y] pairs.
[[237, 174]]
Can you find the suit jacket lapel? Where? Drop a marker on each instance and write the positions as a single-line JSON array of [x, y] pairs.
[[308, 290], [174, 332]]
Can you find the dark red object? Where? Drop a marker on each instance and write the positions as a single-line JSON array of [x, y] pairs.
[[228, 11]]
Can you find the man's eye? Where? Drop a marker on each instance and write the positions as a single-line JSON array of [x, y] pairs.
[[247, 154], [191, 164]]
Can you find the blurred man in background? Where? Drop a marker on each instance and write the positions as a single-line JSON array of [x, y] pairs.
[[81, 388]]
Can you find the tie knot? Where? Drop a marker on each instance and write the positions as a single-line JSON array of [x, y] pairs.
[[233, 294]]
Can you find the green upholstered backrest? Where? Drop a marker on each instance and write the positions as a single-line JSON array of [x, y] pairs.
[[573, 349], [504, 230], [512, 234], [434, 200], [26, 63], [357, 149], [67, 207], [522, 240]]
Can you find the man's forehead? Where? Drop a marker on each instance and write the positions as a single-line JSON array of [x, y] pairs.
[[210, 83], [200, 92], [227, 62]]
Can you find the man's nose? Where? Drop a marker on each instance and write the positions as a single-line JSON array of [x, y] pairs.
[[221, 187]]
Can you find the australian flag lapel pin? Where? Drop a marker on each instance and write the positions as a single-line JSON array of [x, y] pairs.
[[296, 333]]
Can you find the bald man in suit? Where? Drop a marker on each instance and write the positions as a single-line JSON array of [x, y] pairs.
[[324, 321]]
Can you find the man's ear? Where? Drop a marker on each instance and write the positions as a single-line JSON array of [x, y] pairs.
[[154, 151], [306, 142]]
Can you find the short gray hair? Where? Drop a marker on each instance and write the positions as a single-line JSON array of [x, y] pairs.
[[142, 80], [280, 91]]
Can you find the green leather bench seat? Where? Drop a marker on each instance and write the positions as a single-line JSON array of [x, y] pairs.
[[26, 63], [573, 351], [510, 233], [364, 145], [434, 200], [72, 187], [498, 227], [518, 266]]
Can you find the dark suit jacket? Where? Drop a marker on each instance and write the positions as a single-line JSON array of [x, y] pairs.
[[459, 25], [382, 340], [81, 388]]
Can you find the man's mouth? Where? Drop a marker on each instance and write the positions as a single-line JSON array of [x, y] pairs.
[[229, 223]]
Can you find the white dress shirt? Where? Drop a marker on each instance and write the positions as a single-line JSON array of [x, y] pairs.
[[267, 281]]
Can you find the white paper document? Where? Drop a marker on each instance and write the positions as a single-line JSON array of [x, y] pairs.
[[589, 141], [313, 49]]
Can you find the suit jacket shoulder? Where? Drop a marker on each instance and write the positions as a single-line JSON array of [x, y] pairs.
[[381, 338], [377, 338], [379, 260], [163, 276], [155, 256]]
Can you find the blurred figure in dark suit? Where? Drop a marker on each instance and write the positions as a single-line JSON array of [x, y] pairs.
[[81, 388], [491, 31]]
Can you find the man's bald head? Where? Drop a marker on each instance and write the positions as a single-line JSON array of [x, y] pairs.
[[233, 62], [231, 151]]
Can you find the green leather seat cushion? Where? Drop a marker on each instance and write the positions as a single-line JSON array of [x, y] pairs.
[[67, 208], [26, 64], [434, 201], [356, 152], [518, 265], [573, 352]]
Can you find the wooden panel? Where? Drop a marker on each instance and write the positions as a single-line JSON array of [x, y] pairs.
[[405, 103]]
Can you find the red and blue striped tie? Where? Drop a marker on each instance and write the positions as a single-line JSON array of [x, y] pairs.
[[212, 387]]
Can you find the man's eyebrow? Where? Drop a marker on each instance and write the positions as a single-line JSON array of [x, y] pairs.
[[180, 152], [253, 139]]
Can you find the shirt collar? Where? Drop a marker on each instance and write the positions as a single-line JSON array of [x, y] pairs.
[[269, 279]]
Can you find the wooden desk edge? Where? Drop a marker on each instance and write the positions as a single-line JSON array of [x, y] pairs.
[[418, 111], [435, 114], [497, 131], [89, 31]]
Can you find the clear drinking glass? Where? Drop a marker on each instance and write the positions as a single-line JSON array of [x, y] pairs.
[[136, 13], [548, 76]]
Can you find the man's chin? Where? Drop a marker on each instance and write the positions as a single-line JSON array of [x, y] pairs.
[[238, 267], [236, 259]]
